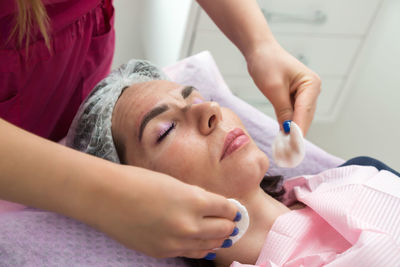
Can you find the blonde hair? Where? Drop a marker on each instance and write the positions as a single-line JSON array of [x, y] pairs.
[[30, 12]]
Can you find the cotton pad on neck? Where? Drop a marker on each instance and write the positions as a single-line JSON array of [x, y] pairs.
[[243, 224], [288, 150]]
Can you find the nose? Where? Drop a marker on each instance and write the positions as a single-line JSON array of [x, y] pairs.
[[208, 115]]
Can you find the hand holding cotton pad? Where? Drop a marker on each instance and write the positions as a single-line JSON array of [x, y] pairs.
[[243, 223], [288, 149]]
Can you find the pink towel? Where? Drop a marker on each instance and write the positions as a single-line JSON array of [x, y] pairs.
[[352, 219]]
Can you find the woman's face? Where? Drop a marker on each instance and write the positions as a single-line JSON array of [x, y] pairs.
[[170, 128]]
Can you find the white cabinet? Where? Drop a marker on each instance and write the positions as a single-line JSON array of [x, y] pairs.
[[326, 35], [342, 17]]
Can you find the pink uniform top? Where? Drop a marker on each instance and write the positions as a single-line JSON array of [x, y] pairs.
[[352, 219], [41, 91]]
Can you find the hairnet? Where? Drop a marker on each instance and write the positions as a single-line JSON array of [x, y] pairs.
[[90, 131]]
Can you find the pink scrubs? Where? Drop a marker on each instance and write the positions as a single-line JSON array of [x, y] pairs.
[[41, 91]]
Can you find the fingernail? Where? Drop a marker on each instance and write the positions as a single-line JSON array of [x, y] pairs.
[[210, 256], [227, 243], [235, 231], [238, 217], [286, 126]]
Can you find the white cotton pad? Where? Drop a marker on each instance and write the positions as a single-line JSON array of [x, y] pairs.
[[288, 150], [243, 224]]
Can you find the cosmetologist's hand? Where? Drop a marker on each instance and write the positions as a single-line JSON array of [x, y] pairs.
[[291, 87], [160, 216]]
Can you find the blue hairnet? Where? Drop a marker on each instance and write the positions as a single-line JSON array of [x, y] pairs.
[[90, 131]]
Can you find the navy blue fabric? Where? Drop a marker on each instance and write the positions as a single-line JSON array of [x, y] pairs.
[[368, 161]]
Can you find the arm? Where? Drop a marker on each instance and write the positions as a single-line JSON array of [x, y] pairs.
[[241, 21], [40, 173], [130, 204], [277, 74]]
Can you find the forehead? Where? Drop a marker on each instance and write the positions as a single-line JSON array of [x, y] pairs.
[[139, 98], [147, 94]]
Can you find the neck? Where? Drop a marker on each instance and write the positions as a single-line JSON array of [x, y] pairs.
[[263, 211]]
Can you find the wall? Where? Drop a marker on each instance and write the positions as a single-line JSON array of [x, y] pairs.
[[165, 22], [135, 18], [369, 121], [128, 32]]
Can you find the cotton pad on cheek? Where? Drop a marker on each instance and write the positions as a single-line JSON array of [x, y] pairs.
[[243, 224], [288, 150]]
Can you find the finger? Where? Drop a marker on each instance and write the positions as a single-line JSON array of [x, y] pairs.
[[200, 254], [281, 100], [305, 106], [196, 248], [212, 228], [277, 90], [210, 244], [218, 206]]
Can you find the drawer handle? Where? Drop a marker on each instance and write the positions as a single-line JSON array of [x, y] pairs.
[[318, 17]]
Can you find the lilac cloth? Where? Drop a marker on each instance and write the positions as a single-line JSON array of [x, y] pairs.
[[39, 238]]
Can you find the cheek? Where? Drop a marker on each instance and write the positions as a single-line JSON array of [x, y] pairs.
[[231, 118], [185, 160], [253, 162]]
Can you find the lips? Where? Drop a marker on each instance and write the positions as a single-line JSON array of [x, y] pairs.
[[234, 140]]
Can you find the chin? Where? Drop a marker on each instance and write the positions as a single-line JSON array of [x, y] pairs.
[[250, 170], [258, 160], [262, 165]]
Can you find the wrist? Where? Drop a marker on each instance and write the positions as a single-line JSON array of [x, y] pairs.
[[260, 47], [259, 52]]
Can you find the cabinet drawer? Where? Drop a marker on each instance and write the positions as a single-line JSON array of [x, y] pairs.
[[329, 96], [324, 55], [349, 17], [244, 88]]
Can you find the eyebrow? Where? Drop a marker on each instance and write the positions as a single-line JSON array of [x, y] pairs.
[[186, 91]]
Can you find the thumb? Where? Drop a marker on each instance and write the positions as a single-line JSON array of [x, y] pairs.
[[303, 117]]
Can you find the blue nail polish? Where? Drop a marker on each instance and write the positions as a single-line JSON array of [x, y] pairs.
[[210, 256], [227, 243], [238, 217], [286, 126], [235, 231]]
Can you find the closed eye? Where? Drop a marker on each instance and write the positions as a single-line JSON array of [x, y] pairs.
[[165, 132]]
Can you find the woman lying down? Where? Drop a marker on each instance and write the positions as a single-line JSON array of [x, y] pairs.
[[347, 216]]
